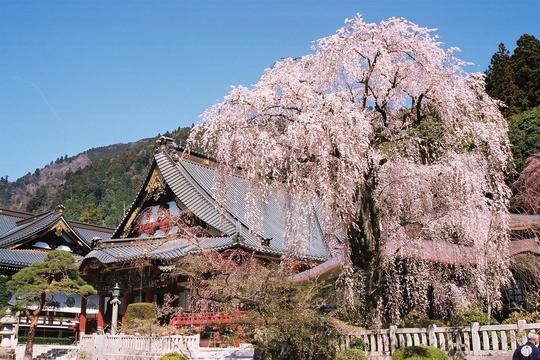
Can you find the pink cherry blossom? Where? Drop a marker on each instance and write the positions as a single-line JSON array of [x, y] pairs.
[[382, 130]]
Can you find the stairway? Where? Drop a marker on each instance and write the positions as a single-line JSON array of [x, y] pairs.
[[56, 354]]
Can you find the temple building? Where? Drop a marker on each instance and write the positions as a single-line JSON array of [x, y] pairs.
[[179, 192], [25, 239]]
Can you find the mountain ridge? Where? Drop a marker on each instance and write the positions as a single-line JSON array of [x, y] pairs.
[[95, 186]]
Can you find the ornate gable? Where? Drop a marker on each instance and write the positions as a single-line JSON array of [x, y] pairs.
[[46, 231], [156, 212]]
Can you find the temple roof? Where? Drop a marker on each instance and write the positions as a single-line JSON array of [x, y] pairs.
[[520, 222], [17, 228], [194, 184], [28, 227], [14, 259], [156, 249], [192, 179]]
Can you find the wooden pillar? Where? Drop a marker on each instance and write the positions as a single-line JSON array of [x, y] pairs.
[[149, 295], [82, 316], [125, 302], [101, 312]]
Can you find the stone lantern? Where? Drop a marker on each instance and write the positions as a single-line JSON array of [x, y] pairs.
[[7, 331], [115, 302]]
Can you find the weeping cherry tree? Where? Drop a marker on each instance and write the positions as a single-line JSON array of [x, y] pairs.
[[380, 129]]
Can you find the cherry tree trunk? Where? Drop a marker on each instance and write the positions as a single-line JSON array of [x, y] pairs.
[[365, 244]]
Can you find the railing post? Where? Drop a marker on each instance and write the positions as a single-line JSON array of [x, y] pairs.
[[522, 335], [393, 339], [475, 338], [432, 339]]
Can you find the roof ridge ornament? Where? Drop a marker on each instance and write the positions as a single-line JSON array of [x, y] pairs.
[[166, 143], [59, 208], [97, 243]]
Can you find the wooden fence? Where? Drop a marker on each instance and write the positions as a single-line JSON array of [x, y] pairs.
[[469, 341], [134, 347]]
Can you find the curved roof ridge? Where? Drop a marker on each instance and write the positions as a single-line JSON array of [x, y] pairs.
[[39, 223], [272, 222], [35, 217]]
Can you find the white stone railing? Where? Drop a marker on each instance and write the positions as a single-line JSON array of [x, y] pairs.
[[131, 346], [473, 340], [50, 321]]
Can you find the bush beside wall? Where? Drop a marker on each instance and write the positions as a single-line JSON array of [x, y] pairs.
[[351, 354], [139, 311], [419, 352], [173, 356]]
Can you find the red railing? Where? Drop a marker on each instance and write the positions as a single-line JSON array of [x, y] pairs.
[[205, 318]]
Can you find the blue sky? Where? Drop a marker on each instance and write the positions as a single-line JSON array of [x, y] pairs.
[[81, 74]]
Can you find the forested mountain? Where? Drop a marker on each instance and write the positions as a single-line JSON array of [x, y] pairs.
[[524, 133], [94, 186]]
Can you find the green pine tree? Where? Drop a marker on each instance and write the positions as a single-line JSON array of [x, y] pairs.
[[500, 81], [526, 66], [58, 273], [515, 79]]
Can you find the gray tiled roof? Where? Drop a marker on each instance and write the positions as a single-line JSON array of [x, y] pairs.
[[8, 222], [89, 234], [17, 227], [29, 227], [193, 195], [193, 184], [15, 258], [524, 222], [158, 249]]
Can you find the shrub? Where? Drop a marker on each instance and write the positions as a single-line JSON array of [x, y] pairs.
[[358, 343], [351, 354], [292, 325], [419, 352], [139, 311], [173, 356], [473, 315], [420, 320], [530, 317]]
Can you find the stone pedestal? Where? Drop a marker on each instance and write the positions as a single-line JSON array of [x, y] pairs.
[[7, 354]]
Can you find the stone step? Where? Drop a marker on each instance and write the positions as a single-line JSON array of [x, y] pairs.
[[53, 354]]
